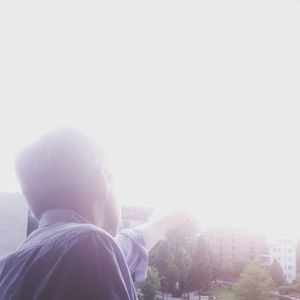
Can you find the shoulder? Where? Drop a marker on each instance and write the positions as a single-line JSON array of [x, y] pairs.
[[66, 236], [91, 235], [88, 248]]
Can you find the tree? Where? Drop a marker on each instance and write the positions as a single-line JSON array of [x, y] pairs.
[[215, 271], [172, 257], [254, 283], [151, 286], [231, 272], [277, 273], [226, 273], [291, 288], [162, 258], [237, 268], [200, 273]]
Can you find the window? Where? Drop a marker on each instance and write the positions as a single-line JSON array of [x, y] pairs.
[[290, 267]]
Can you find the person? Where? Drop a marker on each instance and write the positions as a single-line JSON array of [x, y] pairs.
[[77, 251], [136, 242]]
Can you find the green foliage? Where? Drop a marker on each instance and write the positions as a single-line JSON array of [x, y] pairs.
[[277, 274], [287, 289], [151, 286], [200, 273], [162, 258], [255, 283], [291, 288], [173, 257], [215, 271], [231, 272], [226, 273], [238, 267]]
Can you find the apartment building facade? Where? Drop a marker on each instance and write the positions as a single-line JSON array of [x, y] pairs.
[[231, 245], [134, 215], [284, 251]]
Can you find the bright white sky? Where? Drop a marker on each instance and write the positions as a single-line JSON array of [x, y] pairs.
[[197, 102]]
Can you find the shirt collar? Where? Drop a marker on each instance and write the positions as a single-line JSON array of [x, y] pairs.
[[54, 216]]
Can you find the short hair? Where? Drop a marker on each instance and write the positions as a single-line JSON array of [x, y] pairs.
[[58, 170]]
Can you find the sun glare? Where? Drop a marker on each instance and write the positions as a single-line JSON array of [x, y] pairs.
[[192, 114]]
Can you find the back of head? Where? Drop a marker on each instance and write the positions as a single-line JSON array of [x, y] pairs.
[[61, 170]]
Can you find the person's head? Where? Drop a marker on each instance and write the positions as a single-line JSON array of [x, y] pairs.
[[66, 170]]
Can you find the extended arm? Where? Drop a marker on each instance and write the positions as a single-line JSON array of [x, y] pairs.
[[136, 242], [154, 230]]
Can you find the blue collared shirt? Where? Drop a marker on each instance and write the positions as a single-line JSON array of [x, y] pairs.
[[68, 258], [132, 245]]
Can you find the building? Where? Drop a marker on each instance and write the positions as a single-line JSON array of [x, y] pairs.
[[284, 251], [133, 215], [231, 245], [13, 220]]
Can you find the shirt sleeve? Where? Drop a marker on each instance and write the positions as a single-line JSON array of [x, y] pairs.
[[132, 244]]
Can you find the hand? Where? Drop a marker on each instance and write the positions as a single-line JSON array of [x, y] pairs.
[[157, 227]]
